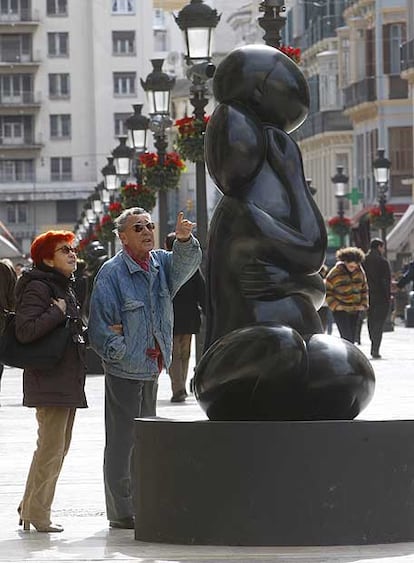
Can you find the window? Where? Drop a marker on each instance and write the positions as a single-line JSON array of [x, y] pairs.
[[12, 131], [393, 35], [60, 126], [59, 86], [66, 211], [9, 10], [60, 169], [57, 7], [17, 212], [16, 171], [123, 42], [160, 40], [124, 83], [400, 141], [58, 44], [120, 128], [16, 88], [123, 6]]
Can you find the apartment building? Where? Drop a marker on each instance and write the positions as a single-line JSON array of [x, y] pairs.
[[69, 74]]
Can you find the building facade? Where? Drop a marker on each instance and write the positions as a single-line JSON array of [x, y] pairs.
[[69, 74]]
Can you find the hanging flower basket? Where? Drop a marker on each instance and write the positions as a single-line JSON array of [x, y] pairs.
[[105, 229], [161, 176], [379, 220], [292, 52], [339, 225], [115, 209], [190, 139], [137, 195]]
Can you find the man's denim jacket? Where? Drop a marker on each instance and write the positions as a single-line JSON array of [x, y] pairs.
[[124, 293]]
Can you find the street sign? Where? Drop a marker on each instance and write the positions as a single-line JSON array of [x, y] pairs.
[[354, 196]]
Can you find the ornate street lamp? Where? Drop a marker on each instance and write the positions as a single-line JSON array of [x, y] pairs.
[[271, 21], [109, 174], [137, 125], [158, 86], [382, 169], [122, 157], [197, 22], [340, 181]]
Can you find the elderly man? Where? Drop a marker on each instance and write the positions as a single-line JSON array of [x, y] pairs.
[[130, 328]]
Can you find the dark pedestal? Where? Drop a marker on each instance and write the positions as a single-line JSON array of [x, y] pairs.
[[409, 316], [274, 483]]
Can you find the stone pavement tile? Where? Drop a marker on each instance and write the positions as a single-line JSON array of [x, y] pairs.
[[79, 501]]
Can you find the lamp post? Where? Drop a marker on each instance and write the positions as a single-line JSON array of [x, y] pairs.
[[197, 22], [137, 125], [271, 21], [382, 168], [158, 86], [340, 181]]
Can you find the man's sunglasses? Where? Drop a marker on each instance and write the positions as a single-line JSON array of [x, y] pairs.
[[66, 249], [139, 227]]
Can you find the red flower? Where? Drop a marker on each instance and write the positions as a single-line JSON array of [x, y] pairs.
[[105, 220], [335, 221], [377, 212], [292, 52], [171, 159]]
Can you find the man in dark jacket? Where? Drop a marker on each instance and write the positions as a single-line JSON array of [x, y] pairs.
[[188, 303], [378, 273]]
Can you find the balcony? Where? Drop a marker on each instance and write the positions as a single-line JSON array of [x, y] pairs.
[[407, 55], [360, 92], [22, 20], [322, 27], [21, 100], [323, 122]]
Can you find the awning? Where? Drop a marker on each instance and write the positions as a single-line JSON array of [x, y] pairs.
[[8, 244], [8, 249]]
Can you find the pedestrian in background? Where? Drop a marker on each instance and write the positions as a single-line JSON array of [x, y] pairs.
[[188, 304], [407, 277], [347, 290], [130, 328], [378, 272], [44, 298], [8, 280]]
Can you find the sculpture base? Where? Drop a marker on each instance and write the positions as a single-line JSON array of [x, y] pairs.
[[274, 483]]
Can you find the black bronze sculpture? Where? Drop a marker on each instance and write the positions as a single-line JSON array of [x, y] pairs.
[[265, 357]]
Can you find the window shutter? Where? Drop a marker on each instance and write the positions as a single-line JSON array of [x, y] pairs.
[[386, 29]]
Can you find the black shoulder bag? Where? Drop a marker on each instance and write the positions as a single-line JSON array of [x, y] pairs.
[[45, 352]]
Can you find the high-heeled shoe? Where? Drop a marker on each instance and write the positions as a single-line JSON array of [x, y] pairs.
[[19, 510], [39, 528]]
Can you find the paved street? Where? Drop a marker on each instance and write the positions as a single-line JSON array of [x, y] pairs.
[[79, 502]]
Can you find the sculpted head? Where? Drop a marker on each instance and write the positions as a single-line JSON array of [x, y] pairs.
[[267, 82]]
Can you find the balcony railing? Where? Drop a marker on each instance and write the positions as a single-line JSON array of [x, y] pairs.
[[19, 98], [321, 122], [407, 55], [23, 15], [360, 92], [320, 28]]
